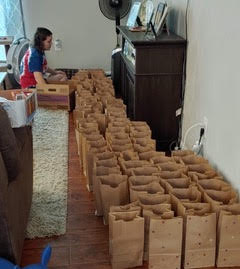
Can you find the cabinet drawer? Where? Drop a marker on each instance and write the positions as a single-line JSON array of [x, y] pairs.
[[165, 59]]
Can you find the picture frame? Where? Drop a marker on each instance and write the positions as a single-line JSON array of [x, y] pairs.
[[133, 14], [159, 12], [149, 11], [161, 20]]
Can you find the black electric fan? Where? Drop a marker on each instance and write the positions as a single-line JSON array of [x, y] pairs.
[[115, 10]]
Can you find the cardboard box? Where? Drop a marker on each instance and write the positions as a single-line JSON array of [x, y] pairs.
[[72, 83], [21, 106], [56, 95]]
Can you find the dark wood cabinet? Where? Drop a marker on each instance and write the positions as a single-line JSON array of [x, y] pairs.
[[152, 86]]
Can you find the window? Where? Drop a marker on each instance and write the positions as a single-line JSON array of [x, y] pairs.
[[11, 21]]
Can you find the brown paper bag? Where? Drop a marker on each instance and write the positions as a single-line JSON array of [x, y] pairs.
[[125, 125], [145, 134], [145, 171], [214, 184], [162, 159], [120, 148], [228, 237], [183, 182], [171, 166], [155, 201], [220, 199], [97, 172], [165, 243], [149, 154], [200, 241], [132, 207], [117, 132], [157, 212], [170, 174], [92, 159], [108, 162], [145, 128], [85, 131], [151, 188], [80, 139], [144, 142], [88, 161], [226, 197], [198, 209], [142, 180], [126, 239], [127, 166], [201, 168], [113, 191], [199, 236], [86, 145], [119, 142], [182, 153], [195, 176], [112, 130], [191, 194], [105, 155], [118, 119], [101, 121], [141, 149], [193, 159], [129, 155]]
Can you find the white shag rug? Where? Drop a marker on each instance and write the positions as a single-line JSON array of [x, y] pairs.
[[50, 174]]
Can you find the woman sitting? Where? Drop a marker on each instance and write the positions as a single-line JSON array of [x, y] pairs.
[[33, 68]]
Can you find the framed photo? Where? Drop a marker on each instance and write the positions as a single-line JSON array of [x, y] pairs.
[[160, 22], [149, 11], [133, 14], [159, 13]]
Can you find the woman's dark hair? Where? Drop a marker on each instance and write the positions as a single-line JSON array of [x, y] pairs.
[[40, 36]]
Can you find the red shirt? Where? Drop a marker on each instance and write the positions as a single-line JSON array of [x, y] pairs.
[[33, 61]]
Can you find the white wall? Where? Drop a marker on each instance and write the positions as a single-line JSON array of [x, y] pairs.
[[213, 78], [87, 36]]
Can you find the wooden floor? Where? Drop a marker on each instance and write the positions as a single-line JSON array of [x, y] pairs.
[[85, 244]]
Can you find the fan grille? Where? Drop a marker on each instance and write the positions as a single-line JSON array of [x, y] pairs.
[[112, 12]]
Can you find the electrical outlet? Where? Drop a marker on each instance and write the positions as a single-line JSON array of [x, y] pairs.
[[58, 44]]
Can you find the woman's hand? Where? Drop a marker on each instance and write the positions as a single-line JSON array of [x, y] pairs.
[[60, 72], [61, 75], [39, 78]]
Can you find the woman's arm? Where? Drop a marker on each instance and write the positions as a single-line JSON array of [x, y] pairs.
[[55, 72], [39, 78]]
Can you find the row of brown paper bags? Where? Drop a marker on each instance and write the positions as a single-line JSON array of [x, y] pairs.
[[141, 182], [127, 235], [98, 86], [116, 194], [166, 233], [93, 81], [90, 73], [112, 189], [177, 192], [108, 198]]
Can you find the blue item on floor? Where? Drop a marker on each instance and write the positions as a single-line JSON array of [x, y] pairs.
[[46, 255]]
